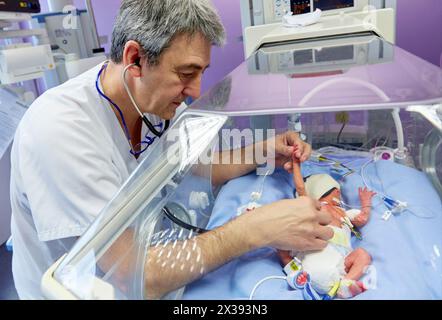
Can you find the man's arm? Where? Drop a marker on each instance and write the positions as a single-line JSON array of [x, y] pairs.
[[231, 164], [172, 266], [287, 224]]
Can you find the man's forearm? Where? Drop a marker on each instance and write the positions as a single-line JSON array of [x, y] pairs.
[[176, 264], [231, 164]]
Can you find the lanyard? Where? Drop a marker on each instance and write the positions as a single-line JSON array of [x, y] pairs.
[[126, 130]]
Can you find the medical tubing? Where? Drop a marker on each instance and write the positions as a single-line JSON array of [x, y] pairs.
[[399, 129], [181, 223], [262, 281], [145, 120], [123, 75], [261, 188], [388, 200]]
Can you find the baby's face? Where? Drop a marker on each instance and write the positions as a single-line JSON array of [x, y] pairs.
[[332, 207], [336, 193]]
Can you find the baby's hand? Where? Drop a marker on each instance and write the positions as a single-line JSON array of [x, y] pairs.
[[365, 196]]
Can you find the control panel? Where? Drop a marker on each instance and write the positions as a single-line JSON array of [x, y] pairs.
[[325, 5], [282, 7], [21, 6], [300, 6]]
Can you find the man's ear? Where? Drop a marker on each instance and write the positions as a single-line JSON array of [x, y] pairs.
[[132, 56]]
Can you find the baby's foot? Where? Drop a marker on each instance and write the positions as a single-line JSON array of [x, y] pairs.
[[350, 289]]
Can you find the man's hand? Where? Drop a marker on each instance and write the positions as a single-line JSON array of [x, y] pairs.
[[285, 145], [295, 224]]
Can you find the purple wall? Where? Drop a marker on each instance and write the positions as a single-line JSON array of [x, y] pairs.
[[419, 30], [225, 59]]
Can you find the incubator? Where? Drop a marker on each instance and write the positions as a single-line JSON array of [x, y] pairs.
[[373, 115]]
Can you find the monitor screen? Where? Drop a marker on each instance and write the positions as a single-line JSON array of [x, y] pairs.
[[332, 4], [300, 6], [22, 6]]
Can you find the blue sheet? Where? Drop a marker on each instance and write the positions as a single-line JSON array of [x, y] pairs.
[[406, 249]]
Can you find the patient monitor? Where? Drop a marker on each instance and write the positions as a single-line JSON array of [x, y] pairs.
[[261, 20]]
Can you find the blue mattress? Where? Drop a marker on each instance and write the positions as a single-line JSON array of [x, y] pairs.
[[406, 249]]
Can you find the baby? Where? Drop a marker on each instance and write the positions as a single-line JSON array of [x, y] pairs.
[[336, 269]]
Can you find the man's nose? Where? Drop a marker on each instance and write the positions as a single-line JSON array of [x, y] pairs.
[[193, 88]]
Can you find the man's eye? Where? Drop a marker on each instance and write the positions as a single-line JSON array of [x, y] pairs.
[[187, 75]]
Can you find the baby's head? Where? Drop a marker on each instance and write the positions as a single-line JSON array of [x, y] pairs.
[[322, 187]]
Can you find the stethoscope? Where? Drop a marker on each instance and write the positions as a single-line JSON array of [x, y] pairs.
[[171, 207], [146, 121], [171, 210]]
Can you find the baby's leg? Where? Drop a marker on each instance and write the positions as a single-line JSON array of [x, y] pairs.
[[355, 263]]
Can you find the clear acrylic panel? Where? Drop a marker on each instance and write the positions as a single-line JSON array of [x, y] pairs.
[[108, 260], [373, 116], [344, 73]]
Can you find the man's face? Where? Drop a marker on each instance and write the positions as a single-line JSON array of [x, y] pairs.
[[163, 87]]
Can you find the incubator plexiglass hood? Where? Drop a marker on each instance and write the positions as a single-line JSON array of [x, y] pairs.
[[359, 101], [363, 72]]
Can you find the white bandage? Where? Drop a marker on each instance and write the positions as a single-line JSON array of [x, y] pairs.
[[353, 213], [198, 200], [301, 20]]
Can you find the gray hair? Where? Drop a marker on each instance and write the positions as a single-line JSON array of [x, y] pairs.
[[155, 23]]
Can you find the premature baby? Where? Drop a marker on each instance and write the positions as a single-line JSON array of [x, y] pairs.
[[336, 269]]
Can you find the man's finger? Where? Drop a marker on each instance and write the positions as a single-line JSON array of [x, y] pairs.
[[306, 153], [288, 166], [324, 218], [294, 140], [299, 149], [317, 205], [283, 149], [316, 244], [324, 233]]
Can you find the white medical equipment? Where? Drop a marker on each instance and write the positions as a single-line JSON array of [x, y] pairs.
[[73, 34], [353, 71], [21, 61], [24, 6], [261, 20]]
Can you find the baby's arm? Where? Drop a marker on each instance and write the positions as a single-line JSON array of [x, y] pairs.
[[365, 197]]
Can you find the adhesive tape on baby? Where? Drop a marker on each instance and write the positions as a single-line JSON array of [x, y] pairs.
[[199, 200]]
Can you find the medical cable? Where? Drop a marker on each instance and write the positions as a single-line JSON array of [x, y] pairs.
[[101, 93], [181, 223], [392, 204], [408, 206], [262, 281], [255, 196], [143, 116], [321, 158]]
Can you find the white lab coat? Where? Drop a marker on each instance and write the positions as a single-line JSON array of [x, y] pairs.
[[69, 157]]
